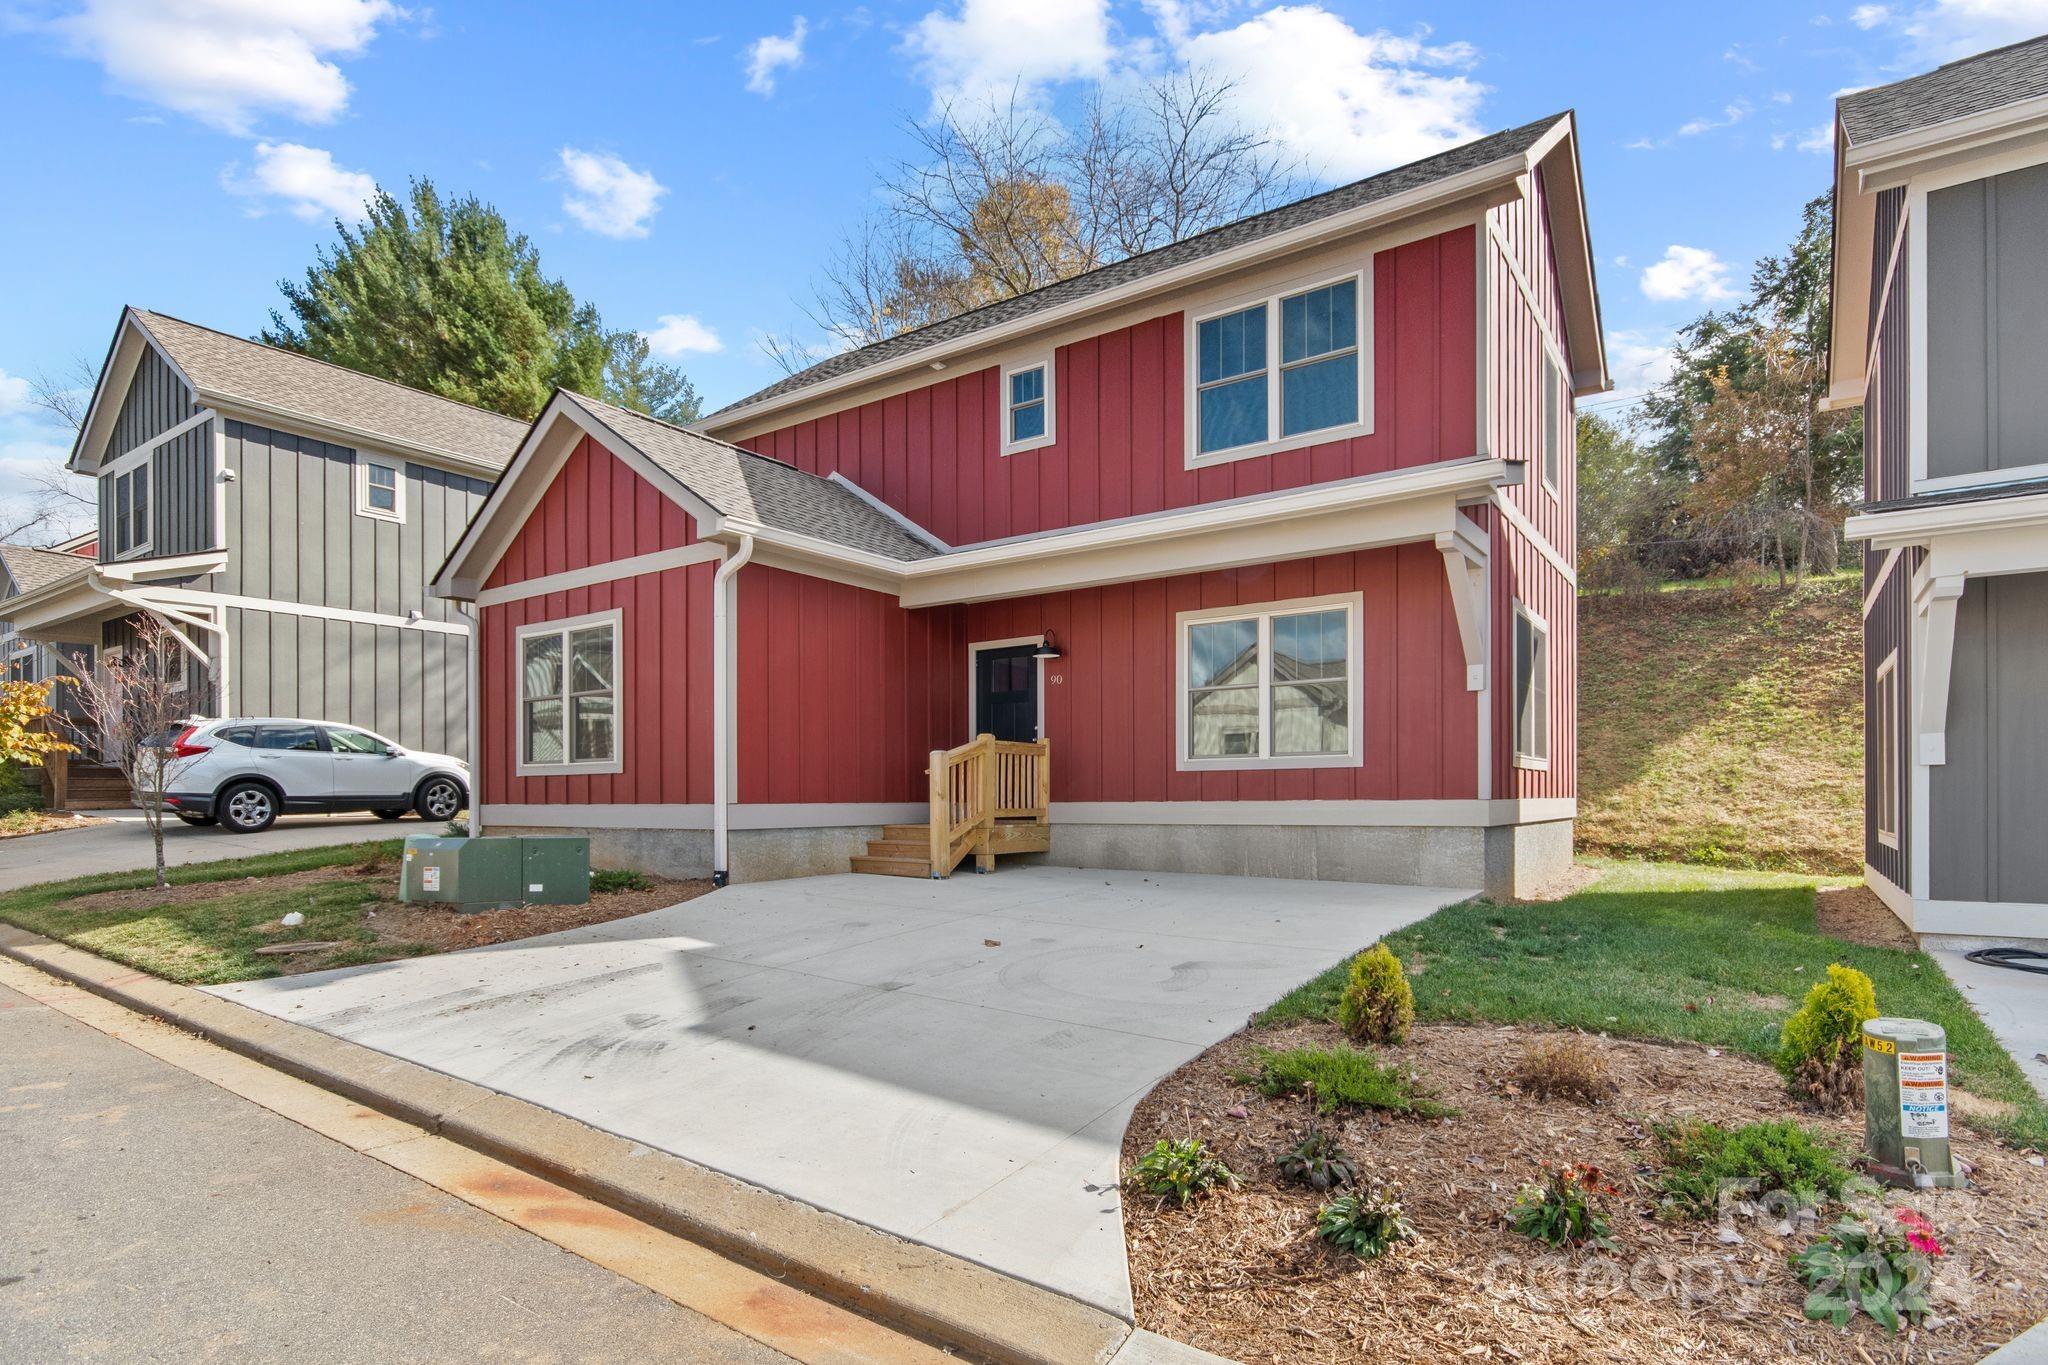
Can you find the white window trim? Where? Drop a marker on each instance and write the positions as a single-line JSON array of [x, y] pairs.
[[1532, 762], [140, 547], [974, 651], [1554, 386], [1270, 296], [363, 507], [615, 618], [1353, 604], [1888, 752], [1036, 362]]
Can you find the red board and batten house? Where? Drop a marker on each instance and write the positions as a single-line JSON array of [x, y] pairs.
[[1268, 534]]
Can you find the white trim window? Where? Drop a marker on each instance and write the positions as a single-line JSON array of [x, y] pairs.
[[1553, 424], [1028, 415], [570, 718], [380, 488], [1884, 738], [1278, 685], [131, 510], [1283, 371], [1532, 689]]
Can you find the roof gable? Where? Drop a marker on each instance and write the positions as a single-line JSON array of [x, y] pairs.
[[30, 567], [1971, 85]]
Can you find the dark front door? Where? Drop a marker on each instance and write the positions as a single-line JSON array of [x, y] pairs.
[[1006, 692]]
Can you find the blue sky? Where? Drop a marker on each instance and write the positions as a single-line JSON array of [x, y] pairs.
[[686, 166]]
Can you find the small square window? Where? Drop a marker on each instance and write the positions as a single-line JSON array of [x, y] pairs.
[[1027, 407], [380, 491]]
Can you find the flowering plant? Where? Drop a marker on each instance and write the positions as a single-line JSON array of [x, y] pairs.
[[1882, 1266], [1563, 1207]]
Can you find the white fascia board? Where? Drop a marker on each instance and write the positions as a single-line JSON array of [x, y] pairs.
[[1915, 525], [164, 566], [1889, 161], [1505, 171], [131, 339]]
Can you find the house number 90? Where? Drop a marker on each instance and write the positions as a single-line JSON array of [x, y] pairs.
[[1055, 679]]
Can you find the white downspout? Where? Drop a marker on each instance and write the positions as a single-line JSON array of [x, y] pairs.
[[723, 654], [224, 677], [474, 669]]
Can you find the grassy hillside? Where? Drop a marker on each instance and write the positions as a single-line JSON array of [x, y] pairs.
[[1724, 726]]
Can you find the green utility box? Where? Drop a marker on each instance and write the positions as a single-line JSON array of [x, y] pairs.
[[1905, 1103], [497, 871]]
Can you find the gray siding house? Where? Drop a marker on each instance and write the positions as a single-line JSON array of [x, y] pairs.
[[1941, 334], [284, 516], [28, 568]]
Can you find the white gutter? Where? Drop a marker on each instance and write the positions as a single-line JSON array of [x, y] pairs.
[[723, 707]]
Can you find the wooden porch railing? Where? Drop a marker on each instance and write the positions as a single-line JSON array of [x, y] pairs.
[[978, 784]]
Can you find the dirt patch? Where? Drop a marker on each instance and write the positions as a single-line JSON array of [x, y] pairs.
[[1242, 1274], [194, 893], [443, 931], [1854, 914]]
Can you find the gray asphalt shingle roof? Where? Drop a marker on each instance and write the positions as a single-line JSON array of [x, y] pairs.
[[230, 367], [31, 567], [1973, 85], [1415, 175], [739, 483]]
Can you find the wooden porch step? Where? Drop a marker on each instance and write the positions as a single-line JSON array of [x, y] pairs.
[[917, 834], [919, 849], [893, 866]]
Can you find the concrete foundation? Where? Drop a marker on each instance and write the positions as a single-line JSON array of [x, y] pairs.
[[1509, 861]]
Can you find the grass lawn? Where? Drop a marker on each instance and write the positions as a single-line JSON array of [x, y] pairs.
[[1682, 953], [211, 940]]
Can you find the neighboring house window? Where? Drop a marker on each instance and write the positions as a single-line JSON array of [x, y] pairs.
[[131, 510], [1532, 689], [380, 489], [569, 695], [1287, 367], [1884, 735], [1273, 686], [1027, 407], [1553, 423]]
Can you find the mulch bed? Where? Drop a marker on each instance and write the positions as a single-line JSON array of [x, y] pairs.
[[1242, 1274], [43, 822]]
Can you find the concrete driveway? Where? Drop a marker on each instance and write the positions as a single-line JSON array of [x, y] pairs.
[[953, 1062], [118, 841]]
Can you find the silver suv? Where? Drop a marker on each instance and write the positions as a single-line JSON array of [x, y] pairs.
[[243, 773]]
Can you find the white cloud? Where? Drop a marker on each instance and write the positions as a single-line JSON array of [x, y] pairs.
[[1688, 273], [224, 62], [771, 52], [1819, 138], [1731, 115], [985, 48], [679, 334], [1638, 363], [306, 179], [1947, 29], [1350, 103], [14, 394], [1869, 16], [608, 196]]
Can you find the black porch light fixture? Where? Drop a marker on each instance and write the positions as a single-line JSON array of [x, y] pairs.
[[1048, 648]]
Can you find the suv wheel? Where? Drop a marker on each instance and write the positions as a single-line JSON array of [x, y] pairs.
[[247, 808], [439, 798]]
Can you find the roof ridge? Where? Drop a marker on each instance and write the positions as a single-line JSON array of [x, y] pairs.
[[1979, 56], [330, 364], [689, 431]]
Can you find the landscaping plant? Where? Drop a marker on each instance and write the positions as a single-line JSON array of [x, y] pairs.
[[617, 879], [1820, 1049], [1336, 1076], [1378, 1005], [1568, 1067], [1367, 1224], [1700, 1159], [1562, 1209], [1180, 1171], [1317, 1161], [1881, 1266]]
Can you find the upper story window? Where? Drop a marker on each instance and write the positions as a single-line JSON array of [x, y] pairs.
[[1532, 689], [1553, 423], [1027, 406], [380, 489], [1273, 686], [1884, 739], [569, 696], [131, 510], [1285, 371]]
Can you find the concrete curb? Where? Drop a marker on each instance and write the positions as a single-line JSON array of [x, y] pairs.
[[905, 1285]]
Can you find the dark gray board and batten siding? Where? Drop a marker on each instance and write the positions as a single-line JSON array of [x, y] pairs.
[[1987, 325], [1886, 402], [1888, 627], [180, 470]]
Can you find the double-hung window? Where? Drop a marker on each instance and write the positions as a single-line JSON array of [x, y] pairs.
[[1027, 406], [380, 489], [1281, 371], [131, 509], [1274, 686], [1884, 734], [569, 696], [1532, 689]]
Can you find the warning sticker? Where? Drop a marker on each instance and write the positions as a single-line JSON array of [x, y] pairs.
[[1923, 1095], [430, 879]]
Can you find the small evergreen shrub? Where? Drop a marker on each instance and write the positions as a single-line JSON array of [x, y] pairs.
[[1366, 1224], [1337, 1076], [1562, 1208], [1766, 1158], [617, 879], [1568, 1068], [1317, 1161], [1180, 1171], [1378, 1005], [1820, 1049]]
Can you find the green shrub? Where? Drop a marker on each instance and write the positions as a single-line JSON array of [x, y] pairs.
[[617, 879], [1337, 1076], [21, 788], [1779, 1157], [1819, 1049], [1562, 1209], [1317, 1161], [1181, 1171], [1366, 1224], [1378, 1005]]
